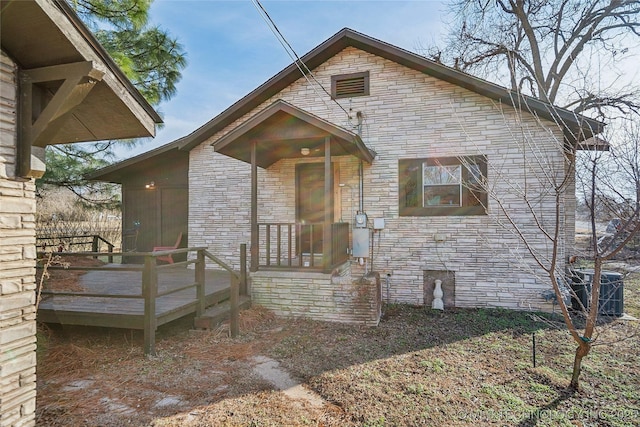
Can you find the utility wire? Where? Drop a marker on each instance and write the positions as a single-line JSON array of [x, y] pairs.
[[293, 55]]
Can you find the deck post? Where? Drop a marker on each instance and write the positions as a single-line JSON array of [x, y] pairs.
[[234, 301], [200, 284], [244, 289], [150, 290], [94, 246]]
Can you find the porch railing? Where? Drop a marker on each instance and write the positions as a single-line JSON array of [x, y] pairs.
[[295, 246]]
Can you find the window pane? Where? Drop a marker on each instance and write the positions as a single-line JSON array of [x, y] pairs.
[[474, 178], [410, 195], [436, 175], [441, 195], [443, 186]]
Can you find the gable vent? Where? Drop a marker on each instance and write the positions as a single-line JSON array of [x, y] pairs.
[[349, 85]]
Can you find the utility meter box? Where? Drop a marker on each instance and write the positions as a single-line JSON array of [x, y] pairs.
[[361, 242], [360, 220]]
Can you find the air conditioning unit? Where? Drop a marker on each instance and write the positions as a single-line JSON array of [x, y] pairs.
[[611, 301]]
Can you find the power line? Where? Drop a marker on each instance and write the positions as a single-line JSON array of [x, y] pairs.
[[293, 55]]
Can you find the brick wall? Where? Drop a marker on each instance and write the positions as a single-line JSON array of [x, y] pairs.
[[17, 274], [407, 115]]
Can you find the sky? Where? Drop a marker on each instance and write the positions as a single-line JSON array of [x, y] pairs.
[[231, 50]]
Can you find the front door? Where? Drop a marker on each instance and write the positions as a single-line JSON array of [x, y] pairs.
[[310, 205]]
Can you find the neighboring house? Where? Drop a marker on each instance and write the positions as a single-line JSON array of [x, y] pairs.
[[291, 168], [57, 85]]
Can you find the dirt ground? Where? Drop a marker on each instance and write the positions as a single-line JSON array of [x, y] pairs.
[[418, 367]]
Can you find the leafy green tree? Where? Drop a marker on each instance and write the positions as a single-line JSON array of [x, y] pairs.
[[149, 57]]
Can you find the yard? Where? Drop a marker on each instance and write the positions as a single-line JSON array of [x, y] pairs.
[[419, 367]]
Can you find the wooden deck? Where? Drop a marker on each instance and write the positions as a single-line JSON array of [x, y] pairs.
[[128, 312]]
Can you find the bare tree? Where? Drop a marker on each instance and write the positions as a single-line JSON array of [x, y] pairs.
[[537, 209], [555, 50], [610, 182], [548, 48]]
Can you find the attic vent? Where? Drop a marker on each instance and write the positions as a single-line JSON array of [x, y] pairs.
[[348, 85]]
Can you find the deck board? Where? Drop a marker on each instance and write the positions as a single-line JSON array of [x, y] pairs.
[[125, 312]]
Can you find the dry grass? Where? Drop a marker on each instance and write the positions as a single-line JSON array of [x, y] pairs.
[[419, 367], [65, 279]]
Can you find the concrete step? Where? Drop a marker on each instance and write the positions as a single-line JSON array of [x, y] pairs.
[[216, 314]]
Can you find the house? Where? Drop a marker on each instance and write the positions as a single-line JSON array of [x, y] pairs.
[[155, 198], [369, 187], [57, 85]]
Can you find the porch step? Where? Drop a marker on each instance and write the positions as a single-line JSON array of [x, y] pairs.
[[216, 314]]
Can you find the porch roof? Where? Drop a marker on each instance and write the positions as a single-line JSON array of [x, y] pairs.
[[282, 131]]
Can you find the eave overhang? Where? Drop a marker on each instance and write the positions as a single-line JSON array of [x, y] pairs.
[[44, 37], [283, 131]]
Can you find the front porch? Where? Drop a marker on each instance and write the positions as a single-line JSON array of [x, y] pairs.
[[300, 254], [294, 247], [308, 237]]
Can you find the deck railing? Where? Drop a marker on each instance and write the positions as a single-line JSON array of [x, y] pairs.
[[149, 291], [66, 243], [293, 246]]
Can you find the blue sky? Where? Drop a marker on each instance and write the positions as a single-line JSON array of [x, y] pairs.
[[231, 50]]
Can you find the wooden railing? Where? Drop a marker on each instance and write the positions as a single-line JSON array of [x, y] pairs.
[[296, 246], [149, 289], [66, 243]]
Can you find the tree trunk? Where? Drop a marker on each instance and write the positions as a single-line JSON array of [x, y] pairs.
[[581, 352]]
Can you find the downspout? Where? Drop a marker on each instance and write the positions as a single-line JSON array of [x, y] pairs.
[[361, 187]]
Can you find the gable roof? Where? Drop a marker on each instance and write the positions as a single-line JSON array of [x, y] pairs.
[[346, 37], [283, 130], [574, 124], [37, 34]]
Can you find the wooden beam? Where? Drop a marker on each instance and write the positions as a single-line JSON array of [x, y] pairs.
[[254, 208], [328, 207], [78, 80], [200, 284], [150, 291], [39, 124], [234, 302], [244, 290]]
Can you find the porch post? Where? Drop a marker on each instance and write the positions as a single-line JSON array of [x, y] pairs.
[[254, 208], [327, 246]]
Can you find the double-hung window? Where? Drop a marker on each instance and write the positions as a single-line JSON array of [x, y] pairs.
[[443, 186]]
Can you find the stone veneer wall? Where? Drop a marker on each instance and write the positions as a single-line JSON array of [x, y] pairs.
[[407, 115], [336, 298], [17, 273]]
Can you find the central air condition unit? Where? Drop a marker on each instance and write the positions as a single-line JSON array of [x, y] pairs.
[[611, 301]]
